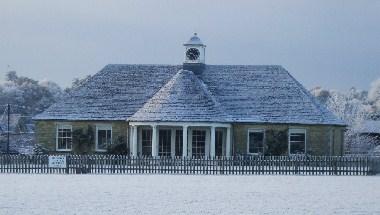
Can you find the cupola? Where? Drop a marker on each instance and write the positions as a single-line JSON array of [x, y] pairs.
[[194, 51]]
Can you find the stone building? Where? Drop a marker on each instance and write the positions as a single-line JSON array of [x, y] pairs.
[[193, 109]]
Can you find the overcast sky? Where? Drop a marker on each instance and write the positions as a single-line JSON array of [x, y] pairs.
[[333, 44]]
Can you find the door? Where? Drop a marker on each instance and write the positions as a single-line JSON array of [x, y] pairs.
[[198, 143]]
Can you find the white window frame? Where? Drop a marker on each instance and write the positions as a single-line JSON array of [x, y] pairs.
[[102, 128], [255, 130], [207, 140], [63, 126], [297, 131]]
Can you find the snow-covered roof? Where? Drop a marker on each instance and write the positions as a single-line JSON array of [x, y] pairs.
[[255, 94], [184, 98], [194, 40], [264, 94], [114, 93], [370, 127]]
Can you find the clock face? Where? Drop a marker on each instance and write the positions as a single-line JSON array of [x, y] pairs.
[[192, 53]]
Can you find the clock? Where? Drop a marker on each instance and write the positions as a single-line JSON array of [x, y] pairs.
[[192, 54]]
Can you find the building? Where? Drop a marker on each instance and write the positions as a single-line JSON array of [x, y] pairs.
[[193, 109], [371, 128]]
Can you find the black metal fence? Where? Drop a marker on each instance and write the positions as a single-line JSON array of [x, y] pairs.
[[254, 165]]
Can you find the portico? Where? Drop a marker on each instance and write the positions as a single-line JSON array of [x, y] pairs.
[[189, 139]]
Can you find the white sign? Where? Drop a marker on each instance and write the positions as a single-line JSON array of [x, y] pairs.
[[57, 161]]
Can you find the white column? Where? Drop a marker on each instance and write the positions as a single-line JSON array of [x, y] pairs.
[[184, 141], [134, 140], [212, 142], [172, 142], [154, 141], [228, 142]]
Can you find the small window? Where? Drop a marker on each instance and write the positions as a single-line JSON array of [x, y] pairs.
[[297, 141], [64, 138], [256, 141], [103, 137]]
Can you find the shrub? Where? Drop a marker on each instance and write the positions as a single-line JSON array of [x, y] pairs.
[[276, 143]]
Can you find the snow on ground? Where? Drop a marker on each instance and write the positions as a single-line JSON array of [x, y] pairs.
[[170, 194]]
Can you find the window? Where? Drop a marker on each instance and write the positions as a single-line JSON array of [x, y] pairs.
[[256, 141], [146, 141], [297, 141], [164, 142], [178, 142], [198, 143], [103, 137], [64, 138]]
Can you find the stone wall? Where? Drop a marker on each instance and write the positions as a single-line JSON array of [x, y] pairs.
[[320, 139], [83, 134]]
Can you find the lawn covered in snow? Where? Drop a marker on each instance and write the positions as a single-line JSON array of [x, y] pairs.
[[179, 194]]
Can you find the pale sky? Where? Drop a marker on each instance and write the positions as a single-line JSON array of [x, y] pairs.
[[333, 44]]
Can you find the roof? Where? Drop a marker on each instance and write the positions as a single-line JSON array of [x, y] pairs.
[[265, 94], [255, 94], [194, 40], [184, 98], [114, 93], [370, 127]]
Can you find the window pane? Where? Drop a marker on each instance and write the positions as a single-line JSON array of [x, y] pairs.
[[297, 137], [297, 143], [60, 144], [297, 147], [69, 143], [102, 139], [109, 138], [256, 142]]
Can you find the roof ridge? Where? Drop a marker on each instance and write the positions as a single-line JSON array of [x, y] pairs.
[[216, 102], [171, 99]]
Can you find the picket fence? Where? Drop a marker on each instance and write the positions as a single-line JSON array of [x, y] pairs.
[[249, 165]]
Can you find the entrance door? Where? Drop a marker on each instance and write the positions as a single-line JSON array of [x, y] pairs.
[[146, 141], [198, 143], [164, 142]]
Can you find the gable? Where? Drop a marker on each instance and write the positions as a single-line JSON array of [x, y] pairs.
[[184, 98]]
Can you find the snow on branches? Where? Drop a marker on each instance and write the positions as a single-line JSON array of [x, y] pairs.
[[354, 107]]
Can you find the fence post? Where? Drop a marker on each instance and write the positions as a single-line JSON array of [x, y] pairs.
[[67, 164]]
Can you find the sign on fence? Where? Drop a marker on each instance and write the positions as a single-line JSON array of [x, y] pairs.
[[57, 161]]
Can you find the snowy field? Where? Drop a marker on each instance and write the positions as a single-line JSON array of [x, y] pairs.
[[168, 194]]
